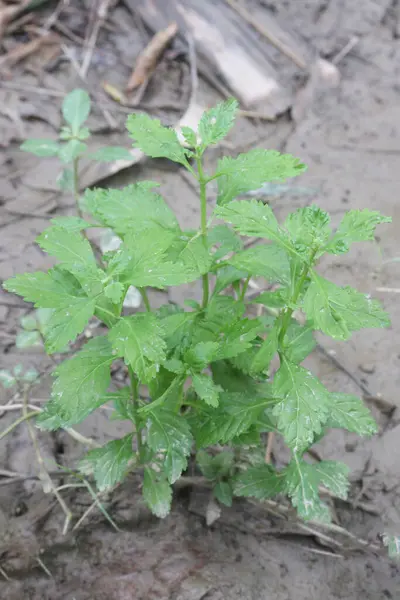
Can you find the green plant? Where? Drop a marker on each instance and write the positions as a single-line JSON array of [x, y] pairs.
[[200, 377]]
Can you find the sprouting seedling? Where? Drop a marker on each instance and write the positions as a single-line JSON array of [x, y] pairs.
[[199, 375]]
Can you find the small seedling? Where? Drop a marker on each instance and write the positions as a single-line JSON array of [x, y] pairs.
[[199, 375]]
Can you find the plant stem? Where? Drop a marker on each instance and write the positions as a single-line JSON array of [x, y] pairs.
[[244, 288], [75, 169], [145, 298], [134, 390], [203, 214]]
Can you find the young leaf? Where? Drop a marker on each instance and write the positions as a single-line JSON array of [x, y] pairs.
[[267, 260], [109, 464], [255, 219], [308, 226], [337, 311], [302, 481], [6, 379], [251, 170], [356, 226], [41, 148], [265, 354], [76, 109], [302, 407], [80, 387], [216, 466], [235, 415], [135, 208], [259, 482], [71, 150], [349, 412], [29, 322], [226, 239], [157, 493], [65, 180], [170, 434], [206, 389], [276, 299], [114, 291], [154, 139], [216, 122], [227, 276], [223, 492], [110, 154], [140, 341], [201, 355], [189, 136]]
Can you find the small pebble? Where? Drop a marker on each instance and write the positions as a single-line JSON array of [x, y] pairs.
[[367, 368]]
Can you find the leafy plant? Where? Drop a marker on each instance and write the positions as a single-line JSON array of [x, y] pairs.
[[200, 376]]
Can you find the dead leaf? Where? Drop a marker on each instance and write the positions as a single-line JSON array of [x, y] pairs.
[[148, 58], [8, 13], [22, 51]]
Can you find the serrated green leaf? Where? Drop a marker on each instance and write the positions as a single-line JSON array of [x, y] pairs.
[[157, 493], [73, 224], [299, 341], [76, 109], [154, 139], [265, 354], [216, 122], [190, 251], [27, 339], [109, 464], [68, 246], [110, 154], [253, 218], [223, 492], [334, 476], [189, 135], [179, 329], [238, 337], [134, 208], [259, 482], [80, 387], [140, 341], [349, 412], [170, 434], [267, 260], [206, 389], [226, 240], [308, 227], [251, 170], [41, 148], [43, 289], [302, 405], [235, 415], [392, 542], [114, 291], [356, 226], [68, 321], [71, 150], [337, 311], [302, 481], [201, 355]]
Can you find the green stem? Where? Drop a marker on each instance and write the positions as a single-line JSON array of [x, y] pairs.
[[17, 422], [135, 401], [203, 215], [244, 288], [145, 299]]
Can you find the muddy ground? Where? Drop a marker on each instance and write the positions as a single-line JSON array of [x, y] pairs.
[[349, 137]]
